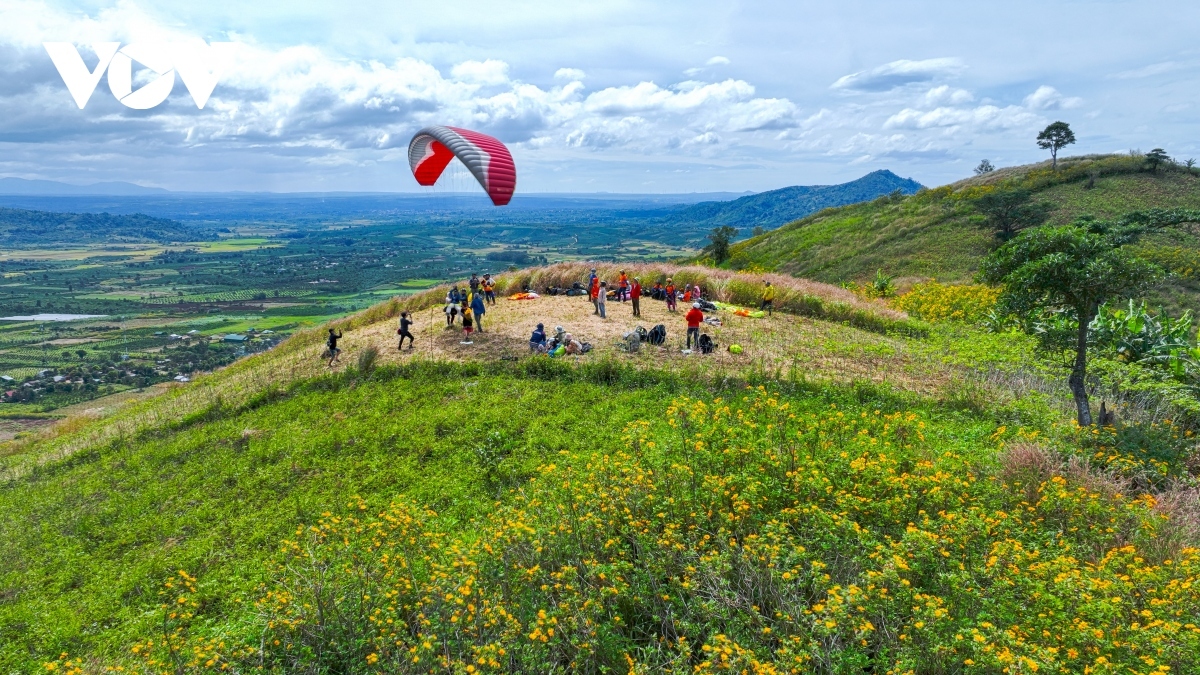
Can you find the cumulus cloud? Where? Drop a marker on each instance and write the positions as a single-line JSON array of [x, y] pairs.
[[569, 74], [717, 61], [980, 118], [490, 71], [946, 95], [899, 73], [1048, 98]]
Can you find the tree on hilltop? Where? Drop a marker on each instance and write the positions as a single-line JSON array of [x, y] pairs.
[[1055, 137], [721, 237], [1010, 211], [1155, 157], [984, 167]]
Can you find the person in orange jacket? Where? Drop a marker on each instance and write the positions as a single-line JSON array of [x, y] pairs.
[[671, 298], [694, 318]]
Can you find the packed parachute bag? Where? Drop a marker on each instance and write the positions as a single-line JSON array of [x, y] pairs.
[[707, 306], [576, 289], [707, 345], [585, 348], [642, 333], [657, 335], [630, 342]]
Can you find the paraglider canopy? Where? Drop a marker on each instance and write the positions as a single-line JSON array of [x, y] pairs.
[[485, 157]]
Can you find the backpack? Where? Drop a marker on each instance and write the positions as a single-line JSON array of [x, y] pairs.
[[585, 347], [630, 342], [657, 335], [707, 346], [707, 306], [641, 333]]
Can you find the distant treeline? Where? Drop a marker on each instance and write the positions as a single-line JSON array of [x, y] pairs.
[[22, 229]]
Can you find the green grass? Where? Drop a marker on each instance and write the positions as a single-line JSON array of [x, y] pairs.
[[936, 234]]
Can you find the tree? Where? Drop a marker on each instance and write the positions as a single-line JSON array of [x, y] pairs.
[[82, 353], [1010, 211], [721, 237], [1155, 157], [1077, 267], [984, 167], [758, 231], [1189, 164], [1055, 137]]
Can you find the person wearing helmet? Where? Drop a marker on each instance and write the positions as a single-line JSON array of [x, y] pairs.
[[670, 295], [694, 318]]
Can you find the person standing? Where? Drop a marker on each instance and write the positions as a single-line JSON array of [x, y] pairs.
[[478, 310], [622, 287], [404, 332], [635, 294], [594, 290], [331, 344], [489, 289], [601, 299], [466, 323], [454, 297], [474, 282], [670, 295], [451, 313], [694, 318], [768, 298]]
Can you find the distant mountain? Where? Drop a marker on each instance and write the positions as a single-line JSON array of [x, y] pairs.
[[24, 229], [21, 186], [777, 207]]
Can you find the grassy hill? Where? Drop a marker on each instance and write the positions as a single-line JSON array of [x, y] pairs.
[[938, 233], [768, 209], [854, 492]]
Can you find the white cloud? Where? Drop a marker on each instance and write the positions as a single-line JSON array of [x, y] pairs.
[[717, 61], [946, 95], [1148, 71], [1048, 98], [569, 74], [683, 97], [984, 117], [899, 73], [481, 72]]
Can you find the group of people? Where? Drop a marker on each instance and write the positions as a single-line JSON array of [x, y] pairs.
[[469, 304], [540, 343]]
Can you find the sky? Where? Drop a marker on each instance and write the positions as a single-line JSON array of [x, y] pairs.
[[597, 96]]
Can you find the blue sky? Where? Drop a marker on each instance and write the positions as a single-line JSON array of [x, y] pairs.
[[605, 96]]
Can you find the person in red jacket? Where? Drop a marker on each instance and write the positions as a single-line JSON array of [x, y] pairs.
[[595, 292], [694, 318], [635, 294]]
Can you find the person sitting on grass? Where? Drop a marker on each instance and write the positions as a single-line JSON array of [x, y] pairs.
[[694, 318], [331, 343], [537, 341], [571, 344]]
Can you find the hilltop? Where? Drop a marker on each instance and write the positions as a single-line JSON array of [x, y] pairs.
[[474, 508], [770, 208], [939, 234]]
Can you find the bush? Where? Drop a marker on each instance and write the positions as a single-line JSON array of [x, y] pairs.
[[932, 301], [367, 359]]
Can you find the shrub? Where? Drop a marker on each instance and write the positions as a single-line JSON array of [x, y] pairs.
[[932, 301], [367, 359]]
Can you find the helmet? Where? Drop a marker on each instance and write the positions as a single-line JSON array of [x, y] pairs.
[[558, 329], [695, 305]]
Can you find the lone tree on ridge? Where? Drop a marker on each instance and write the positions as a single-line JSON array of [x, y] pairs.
[[1055, 137], [721, 237]]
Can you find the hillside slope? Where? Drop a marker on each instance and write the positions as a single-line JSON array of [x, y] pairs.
[[937, 233], [768, 209], [452, 506]]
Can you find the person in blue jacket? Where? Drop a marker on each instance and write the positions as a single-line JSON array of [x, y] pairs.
[[478, 309], [454, 297], [537, 341]]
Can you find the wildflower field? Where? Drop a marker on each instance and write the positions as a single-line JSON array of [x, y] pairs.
[[475, 519]]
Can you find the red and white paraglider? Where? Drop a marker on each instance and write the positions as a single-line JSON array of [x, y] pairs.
[[485, 157]]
